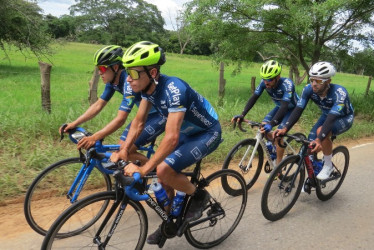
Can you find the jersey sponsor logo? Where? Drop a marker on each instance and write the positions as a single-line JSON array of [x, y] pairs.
[[128, 89], [200, 117], [341, 95], [196, 153], [212, 140], [178, 153], [170, 160], [175, 94], [130, 99], [340, 107], [150, 130]]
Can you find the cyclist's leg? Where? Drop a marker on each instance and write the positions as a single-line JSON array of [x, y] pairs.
[[154, 126], [280, 150], [268, 118]]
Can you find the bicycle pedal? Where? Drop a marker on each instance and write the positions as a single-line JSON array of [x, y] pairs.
[[182, 229], [162, 241]]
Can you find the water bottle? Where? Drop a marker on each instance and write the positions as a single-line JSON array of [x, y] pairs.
[[271, 150], [161, 196], [317, 167], [176, 206]]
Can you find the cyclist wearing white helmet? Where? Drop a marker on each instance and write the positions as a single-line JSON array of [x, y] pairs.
[[337, 112], [192, 129], [109, 62], [282, 92]]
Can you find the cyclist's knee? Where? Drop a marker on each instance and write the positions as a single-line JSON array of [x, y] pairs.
[[164, 172]]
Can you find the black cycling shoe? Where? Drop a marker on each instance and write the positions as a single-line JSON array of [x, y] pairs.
[[155, 238], [198, 204]]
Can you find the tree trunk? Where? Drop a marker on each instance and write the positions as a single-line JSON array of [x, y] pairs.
[[222, 83], [92, 93], [45, 75], [368, 86]]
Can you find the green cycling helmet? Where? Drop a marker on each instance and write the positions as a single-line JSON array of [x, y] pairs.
[[270, 69], [108, 55], [143, 54]]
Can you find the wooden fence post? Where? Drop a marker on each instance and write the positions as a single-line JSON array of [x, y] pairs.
[[222, 83], [368, 86], [45, 75], [253, 84], [92, 92]]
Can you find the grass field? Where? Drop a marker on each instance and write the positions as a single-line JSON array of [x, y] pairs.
[[29, 136]]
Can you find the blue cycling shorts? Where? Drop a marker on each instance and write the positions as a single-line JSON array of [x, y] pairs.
[[272, 113], [192, 148], [154, 126], [341, 125]]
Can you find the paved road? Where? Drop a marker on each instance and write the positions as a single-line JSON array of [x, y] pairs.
[[344, 222]]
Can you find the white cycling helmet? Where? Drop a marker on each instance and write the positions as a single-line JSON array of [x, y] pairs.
[[322, 70]]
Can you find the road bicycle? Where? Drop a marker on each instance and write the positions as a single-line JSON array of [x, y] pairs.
[[247, 156], [124, 223], [285, 183], [60, 184]]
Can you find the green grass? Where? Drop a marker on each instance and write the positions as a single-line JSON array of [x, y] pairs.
[[29, 136]]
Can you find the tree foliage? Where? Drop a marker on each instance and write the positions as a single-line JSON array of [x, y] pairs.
[[22, 26], [121, 22], [297, 31]]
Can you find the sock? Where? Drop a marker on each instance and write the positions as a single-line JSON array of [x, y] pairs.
[[327, 160]]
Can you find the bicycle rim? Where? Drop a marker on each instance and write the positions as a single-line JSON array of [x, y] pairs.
[[282, 188], [226, 211], [340, 160], [238, 160], [46, 197], [130, 233]]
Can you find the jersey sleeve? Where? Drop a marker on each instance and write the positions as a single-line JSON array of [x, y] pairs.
[[108, 93], [177, 96], [288, 90], [339, 102], [305, 96], [260, 88], [129, 99]]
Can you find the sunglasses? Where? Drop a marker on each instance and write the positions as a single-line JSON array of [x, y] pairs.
[[102, 68], [319, 81], [269, 80], [134, 74]]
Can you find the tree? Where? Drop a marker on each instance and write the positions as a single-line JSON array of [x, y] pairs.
[[22, 26], [298, 31], [121, 22], [62, 27]]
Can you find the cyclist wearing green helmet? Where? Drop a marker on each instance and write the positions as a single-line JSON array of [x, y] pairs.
[[109, 62], [192, 130], [281, 91]]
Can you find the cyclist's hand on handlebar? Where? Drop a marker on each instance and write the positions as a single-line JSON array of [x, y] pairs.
[[280, 132], [131, 168], [266, 128], [119, 155], [86, 142], [315, 145], [66, 128], [237, 119]]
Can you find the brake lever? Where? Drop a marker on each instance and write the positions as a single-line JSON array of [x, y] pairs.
[[62, 131]]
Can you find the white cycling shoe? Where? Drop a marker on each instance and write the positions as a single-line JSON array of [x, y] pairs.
[[325, 172]]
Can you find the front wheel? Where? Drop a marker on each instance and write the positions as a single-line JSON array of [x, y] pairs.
[[340, 161], [223, 212], [46, 198], [246, 160], [130, 232], [282, 188]]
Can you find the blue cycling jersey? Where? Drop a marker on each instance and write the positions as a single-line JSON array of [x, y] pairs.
[[336, 102], [284, 91], [175, 95], [129, 96]]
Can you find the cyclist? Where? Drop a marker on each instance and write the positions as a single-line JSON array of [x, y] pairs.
[[192, 130], [337, 112], [109, 62], [282, 91]]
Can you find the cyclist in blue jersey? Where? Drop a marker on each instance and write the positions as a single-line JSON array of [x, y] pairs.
[[282, 92], [337, 112], [192, 129], [109, 62]]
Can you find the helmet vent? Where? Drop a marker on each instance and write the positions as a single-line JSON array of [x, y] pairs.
[[144, 55]]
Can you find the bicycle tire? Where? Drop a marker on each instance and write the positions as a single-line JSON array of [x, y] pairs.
[[340, 160], [276, 198], [131, 232], [206, 234], [237, 159], [49, 189]]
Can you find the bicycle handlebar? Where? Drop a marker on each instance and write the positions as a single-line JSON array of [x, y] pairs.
[[75, 134], [251, 123], [296, 138]]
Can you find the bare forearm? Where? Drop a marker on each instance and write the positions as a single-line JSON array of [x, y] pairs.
[[111, 127], [91, 112]]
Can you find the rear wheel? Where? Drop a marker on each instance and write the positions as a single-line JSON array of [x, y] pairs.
[[340, 161], [239, 159], [50, 188], [223, 212], [282, 188], [131, 231]]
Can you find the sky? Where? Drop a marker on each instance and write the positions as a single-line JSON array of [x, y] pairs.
[[168, 8]]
